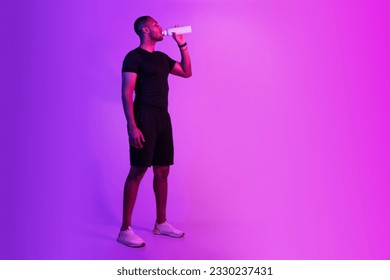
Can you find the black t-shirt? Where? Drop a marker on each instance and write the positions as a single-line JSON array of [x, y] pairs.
[[151, 87]]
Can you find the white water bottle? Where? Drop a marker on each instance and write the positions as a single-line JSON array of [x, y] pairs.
[[177, 30]]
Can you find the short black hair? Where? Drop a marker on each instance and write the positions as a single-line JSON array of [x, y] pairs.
[[139, 23]]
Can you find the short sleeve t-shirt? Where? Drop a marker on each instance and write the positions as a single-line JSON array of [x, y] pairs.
[[151, 87]]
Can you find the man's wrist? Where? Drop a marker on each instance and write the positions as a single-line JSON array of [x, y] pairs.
[[132, 126], [182, 45]]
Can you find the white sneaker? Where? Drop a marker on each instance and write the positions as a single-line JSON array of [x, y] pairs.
[[167, 229], [129, 238]]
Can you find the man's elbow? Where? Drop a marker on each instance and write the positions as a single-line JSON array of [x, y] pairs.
[[187, 75], [126, 94]]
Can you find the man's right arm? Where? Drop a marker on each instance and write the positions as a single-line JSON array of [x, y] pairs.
[[128, 86]]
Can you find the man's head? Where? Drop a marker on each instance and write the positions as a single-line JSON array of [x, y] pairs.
[[147, 26]]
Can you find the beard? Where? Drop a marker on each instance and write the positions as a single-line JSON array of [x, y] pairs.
[[157, 36]]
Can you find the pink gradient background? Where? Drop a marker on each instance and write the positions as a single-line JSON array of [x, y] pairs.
[[281, 136]]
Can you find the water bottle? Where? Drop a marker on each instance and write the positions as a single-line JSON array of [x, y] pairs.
[[177, 30]]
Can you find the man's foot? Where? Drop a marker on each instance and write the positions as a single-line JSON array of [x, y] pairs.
[[167, 229], [129, 238]]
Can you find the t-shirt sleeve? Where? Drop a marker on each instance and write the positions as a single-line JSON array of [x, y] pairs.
[[130, 63], [171, 63]]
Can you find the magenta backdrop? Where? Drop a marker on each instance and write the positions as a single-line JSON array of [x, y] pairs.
[[281, 136]]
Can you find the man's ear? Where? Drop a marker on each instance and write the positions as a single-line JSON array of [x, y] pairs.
[[145, 29]]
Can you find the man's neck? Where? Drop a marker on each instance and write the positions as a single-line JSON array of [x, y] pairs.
[[147, 45]]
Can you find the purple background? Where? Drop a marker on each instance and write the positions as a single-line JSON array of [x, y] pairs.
[[281, 135]]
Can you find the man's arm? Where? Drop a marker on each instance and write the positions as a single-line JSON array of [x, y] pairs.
[[128, 85], [182, 69]]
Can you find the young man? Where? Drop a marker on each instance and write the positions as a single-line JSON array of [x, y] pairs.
[[146, 71]]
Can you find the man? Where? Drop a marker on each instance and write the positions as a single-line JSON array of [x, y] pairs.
[[146, 71]]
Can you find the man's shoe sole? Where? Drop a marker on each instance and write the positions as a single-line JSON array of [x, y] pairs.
[[157, 232], [131, 245]]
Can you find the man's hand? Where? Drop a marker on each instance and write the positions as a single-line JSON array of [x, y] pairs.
[[136, 138], [179, 38]]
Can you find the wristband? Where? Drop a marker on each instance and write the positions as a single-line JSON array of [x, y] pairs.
[[185, 44]]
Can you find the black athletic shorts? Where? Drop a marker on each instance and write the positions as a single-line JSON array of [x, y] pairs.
[[157, 149]]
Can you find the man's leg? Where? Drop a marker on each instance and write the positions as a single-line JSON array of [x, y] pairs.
[[130, 194], [160, 187]]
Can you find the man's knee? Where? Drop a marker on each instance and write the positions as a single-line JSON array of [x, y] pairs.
[[161, 172], [137, 173]]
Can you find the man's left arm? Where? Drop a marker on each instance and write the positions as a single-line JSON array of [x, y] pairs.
[[182, 69]]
